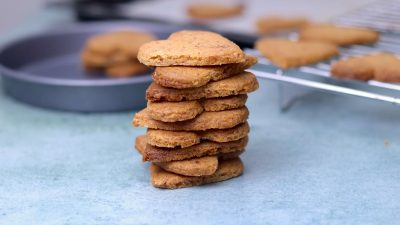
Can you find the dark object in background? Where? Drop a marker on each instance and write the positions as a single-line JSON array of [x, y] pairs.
[[88, 10]]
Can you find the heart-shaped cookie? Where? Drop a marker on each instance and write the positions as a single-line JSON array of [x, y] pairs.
[[286, 54], [191, 48]]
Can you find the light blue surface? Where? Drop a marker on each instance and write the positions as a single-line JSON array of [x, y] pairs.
[[323, 162]]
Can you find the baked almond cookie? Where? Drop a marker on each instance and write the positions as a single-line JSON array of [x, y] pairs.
[[227, 169], [338, 35], [191, 48], [126, 69], [195, 76], [271, 24], [205, 121], [191, 167], [242, 83], [183, 139], [286, 54], [186, 110], [383, 67], [124, 42], [202, 166], [205, 148], [214, 11]]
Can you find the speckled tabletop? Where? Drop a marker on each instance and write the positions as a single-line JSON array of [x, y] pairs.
[[328, 160]]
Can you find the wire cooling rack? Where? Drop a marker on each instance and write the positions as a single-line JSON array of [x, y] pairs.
[[317, 76]]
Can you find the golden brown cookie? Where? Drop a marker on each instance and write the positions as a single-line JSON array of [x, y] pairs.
[[242, 83], [191, 76], [183, 139], [202, 166], [186, 110], [213, 11], [273, 24], [124, 42], [191, 48], [227, 169], [126, 69], [205, 148], [205, 121], [286, 54], [338, 35], [382, 67]]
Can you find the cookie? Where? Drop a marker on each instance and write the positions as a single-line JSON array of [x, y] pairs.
[[202, 166], [123, 42], [286, 54], [126, 69], [191, 48], [266, 25], [227, 169], [205, 121], [191, 77], [183, 139], [186, 110], [338, 35], [242, 83], [205, 148], [382, 67], [214, 11]]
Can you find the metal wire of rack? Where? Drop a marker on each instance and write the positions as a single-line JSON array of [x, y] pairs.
[[317, 76]]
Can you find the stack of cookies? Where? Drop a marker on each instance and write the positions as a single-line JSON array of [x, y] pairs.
[[115, 53], [196, 114]]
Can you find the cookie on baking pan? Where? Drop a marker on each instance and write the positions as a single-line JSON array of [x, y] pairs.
[[124, 42], [205, 121], [186, 110], [183, 139], [242, 83], [214, 11], [286, 54], [338, 35], [191, 77], [191, 48], [227, 169], [126, 69], [271, 24], [383, 67]]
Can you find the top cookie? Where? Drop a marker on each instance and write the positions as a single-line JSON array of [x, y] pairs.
[[195, 76], [273, 24], [122, 42], [382, 67], [191, 48], [214, 11], [286, 54], [338, 35]]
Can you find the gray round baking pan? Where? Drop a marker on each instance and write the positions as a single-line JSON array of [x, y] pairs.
[[45, 70]]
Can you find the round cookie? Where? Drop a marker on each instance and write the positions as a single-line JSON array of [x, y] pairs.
[[227, 169], [191, 48], [338, 35], [125, 42], [205, 121], [183, 139], [242, 83], [214, 11], [127, 69], [181, 77], [186, 110]]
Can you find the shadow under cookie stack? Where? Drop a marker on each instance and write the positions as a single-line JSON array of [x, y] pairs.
[[196, 114]]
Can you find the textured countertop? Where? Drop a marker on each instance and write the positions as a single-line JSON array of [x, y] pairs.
[[328, 160]]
